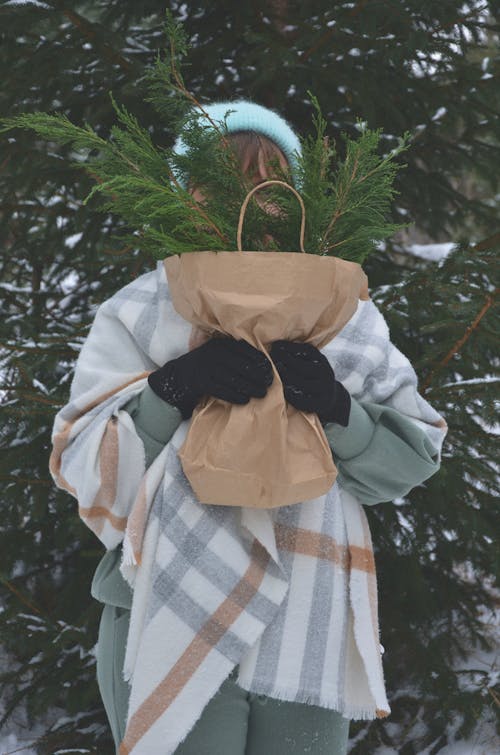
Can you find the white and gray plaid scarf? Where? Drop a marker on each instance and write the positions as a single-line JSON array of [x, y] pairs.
[[289, 594]]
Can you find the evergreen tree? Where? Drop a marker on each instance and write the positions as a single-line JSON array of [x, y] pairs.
[[415, 66]]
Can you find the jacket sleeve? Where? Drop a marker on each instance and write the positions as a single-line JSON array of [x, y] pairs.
[[381, 454], [155, 421]]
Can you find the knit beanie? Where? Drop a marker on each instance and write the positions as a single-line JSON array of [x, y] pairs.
[[248, 116]]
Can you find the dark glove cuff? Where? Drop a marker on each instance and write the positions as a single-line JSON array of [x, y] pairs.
[[163, 383], [341, 409]]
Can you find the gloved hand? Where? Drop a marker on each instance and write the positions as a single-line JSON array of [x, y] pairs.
[[309, 382], [225, 368]]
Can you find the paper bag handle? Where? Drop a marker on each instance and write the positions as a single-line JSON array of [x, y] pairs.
[[262, 186]]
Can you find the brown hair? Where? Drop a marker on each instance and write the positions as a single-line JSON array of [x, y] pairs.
[[255, 153]]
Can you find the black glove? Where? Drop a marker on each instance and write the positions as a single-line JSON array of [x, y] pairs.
[[222, 367], [309, 382]]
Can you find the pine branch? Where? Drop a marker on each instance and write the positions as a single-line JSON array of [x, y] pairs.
[[362, 189], [193, 205], [488, 243], [468, 387], [490, 299], [116, 156], [27, 481], [346, 204], [20, 596], [358, 8], [174, 31], [55, 127], [496, 698], [28, 395], [36, 349], [87, 30]]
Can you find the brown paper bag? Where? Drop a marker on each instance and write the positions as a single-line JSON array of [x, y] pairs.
[[265, 453]]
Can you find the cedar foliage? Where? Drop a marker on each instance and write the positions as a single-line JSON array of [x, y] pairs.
[[345, 201], [422, 67]]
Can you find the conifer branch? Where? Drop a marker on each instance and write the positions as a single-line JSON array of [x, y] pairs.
[[496, 698], [340, 243], [488, 243], [336, 216], [179, 81], [192, 204], [28, 395], [490, 299], [330, 32], [25, 746], [362, 189], [118, 252], [40, 412], [36, 349], [175, 33], [86, 29], [55, 127], [20, 596], [27, 480], [346, 202]]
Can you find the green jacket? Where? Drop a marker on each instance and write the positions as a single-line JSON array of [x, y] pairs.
[[380, 455]]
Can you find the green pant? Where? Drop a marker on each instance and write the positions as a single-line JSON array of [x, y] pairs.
[[234, 722]]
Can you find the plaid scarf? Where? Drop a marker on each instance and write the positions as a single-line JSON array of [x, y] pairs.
[[289, 594]]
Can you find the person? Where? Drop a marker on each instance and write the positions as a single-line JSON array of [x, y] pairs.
[[363, 436]]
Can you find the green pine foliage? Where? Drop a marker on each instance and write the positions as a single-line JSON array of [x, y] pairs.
[[434, 547], [346, 201], [425, 68]]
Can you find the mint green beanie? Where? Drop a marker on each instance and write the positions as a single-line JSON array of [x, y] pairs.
[[248, 116]]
